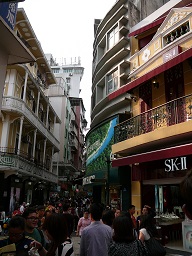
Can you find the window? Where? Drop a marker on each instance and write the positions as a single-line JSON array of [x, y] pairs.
[[55, 70], [112, 82], [112, 37]]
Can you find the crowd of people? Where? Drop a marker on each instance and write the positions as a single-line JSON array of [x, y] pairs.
[[46, 230]]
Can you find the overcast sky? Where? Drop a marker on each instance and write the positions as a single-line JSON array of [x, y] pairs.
[[65, 29]]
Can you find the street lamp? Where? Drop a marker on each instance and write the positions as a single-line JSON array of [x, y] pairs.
[[108, 161]]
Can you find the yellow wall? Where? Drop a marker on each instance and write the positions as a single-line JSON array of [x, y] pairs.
[[136, 196]]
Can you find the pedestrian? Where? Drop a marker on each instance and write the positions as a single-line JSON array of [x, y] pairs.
[[16, 241], [117, 212], [149, 236], [31, 227], [147, 210], [55, 226], [107, 217], [131, 210], [40, 214], [95, 238], [147, 226], [124, 243], [83, 223], [69, 218], [22, 207]]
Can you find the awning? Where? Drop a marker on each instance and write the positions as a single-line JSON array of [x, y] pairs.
[[147, 27], [162, 68], [17, 52], [171, 152]]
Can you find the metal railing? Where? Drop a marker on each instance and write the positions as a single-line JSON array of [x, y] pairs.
[[170, 113], [4, 151]]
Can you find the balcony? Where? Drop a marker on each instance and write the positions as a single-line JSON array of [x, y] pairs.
[[164, 125], [17, 105], [11, 161]]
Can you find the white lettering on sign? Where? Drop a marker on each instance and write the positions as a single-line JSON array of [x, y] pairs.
[[176, 164], [88, 179]]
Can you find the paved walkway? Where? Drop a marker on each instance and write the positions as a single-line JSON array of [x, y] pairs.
[[76, 243], [170, 252]]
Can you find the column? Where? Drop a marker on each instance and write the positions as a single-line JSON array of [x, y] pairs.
[[20, 133], [25, 86], [38, 99], [5, 132], [47, 118], [44, 150], [34, 143], [52, 153]]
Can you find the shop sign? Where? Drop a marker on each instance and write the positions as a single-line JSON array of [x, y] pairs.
[[171, 54], [176, 164], [88, 179]]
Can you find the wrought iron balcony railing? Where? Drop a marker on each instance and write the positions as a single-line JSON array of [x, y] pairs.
[[5, 151], [170, 113]]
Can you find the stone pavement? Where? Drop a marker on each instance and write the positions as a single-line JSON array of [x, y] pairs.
[[76, 243], [170, 252]]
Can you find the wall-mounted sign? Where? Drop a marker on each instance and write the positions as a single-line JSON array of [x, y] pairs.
[[176, 164], [171, 53], [88, 179], [8, 12]]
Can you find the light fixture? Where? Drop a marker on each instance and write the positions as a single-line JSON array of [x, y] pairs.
[[155, 83], [134, 98]]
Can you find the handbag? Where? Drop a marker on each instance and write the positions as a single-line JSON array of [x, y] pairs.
[[154, 247]]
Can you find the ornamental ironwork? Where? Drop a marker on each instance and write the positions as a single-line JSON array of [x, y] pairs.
[[171, 113]]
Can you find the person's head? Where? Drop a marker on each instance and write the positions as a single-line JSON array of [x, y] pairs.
[[55, 226], [96, 211], [31, 218], [117, 212], [16, 228], [108, 217], [145, 210], [147, 222], [123, 229], [86, 214], [186, 192], [131, 209], [40, 211]]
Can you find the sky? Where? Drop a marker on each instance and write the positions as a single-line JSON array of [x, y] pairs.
[[65, 28]]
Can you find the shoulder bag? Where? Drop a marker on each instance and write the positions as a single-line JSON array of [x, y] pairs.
[[154, 246]]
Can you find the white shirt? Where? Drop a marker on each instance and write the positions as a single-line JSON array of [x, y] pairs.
[[145, 233]]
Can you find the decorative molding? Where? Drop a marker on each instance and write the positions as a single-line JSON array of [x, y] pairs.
[[25, 168]]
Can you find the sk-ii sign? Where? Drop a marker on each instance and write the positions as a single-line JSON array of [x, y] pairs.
[[176, 164], [8, 12]]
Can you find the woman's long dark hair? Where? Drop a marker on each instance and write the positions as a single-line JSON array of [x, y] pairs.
[[123, 229], [56, 226], [147, 222]]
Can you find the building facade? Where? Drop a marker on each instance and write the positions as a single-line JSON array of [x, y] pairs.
[[64, 96], [155, 142], [112, 50], [27, 126]]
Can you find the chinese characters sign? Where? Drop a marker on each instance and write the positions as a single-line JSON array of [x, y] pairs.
[[8, 12]]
